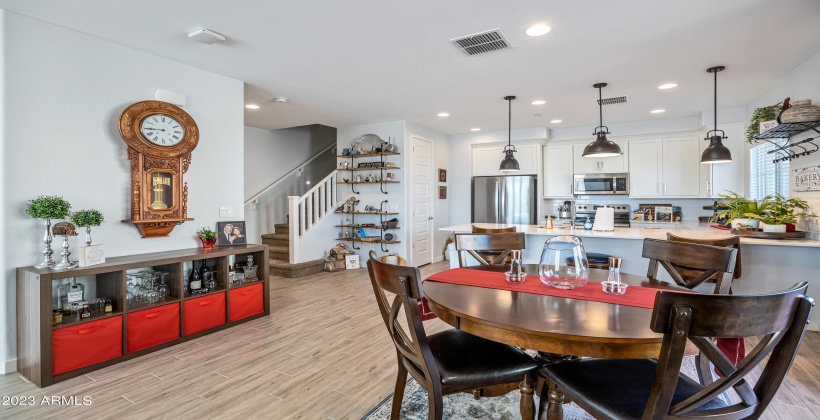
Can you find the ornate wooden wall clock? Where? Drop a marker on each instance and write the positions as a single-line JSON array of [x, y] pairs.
[[160, 138]]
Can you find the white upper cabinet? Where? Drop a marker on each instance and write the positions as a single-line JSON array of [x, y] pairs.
[[667, 167], [645, 160], [614, 164], [487, 159], [558, 171]]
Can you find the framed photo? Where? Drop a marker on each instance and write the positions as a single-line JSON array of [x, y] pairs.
[[663, 214], [361, 233], [230, 233], [351, 261], [442, 175], [442, 193]]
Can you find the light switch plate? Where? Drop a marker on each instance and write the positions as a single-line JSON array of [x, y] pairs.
[[226, 211]]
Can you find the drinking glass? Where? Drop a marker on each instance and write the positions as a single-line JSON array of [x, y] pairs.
[[162, 289], [564, 263]]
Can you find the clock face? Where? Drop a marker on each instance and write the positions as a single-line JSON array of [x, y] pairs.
[[162, 130]]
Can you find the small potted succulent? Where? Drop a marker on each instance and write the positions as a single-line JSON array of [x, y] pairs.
[[207, 236], [48, 208], [87, 219], [764, 113], [742, 211], [781, 214]]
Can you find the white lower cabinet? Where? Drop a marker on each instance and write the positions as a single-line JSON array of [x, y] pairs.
[[558, 171]]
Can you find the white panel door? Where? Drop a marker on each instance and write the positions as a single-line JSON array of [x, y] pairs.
[[558, 171], [645, 159], [681, 167], [422, 205]]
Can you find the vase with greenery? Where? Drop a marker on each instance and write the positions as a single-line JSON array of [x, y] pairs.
[[48, 207], [739, 210], [87, 219], [765, 113], [781, 214], [207, 236]]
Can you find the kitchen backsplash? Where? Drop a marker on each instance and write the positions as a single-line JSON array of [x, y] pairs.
[[691, 209]]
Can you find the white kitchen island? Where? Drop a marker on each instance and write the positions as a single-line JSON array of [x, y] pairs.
[[768, 265]]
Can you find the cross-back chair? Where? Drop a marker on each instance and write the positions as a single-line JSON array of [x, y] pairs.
[[446, 362], [732, 241], [654, 388], [709, 261], [490, 254], [500, 244]]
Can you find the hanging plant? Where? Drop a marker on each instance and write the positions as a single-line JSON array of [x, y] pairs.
[[48, 207], [765, 113], [84, 218]]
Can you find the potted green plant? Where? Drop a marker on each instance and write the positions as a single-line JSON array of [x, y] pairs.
[[87, 219], [739, 210], [207, 236], [781, 214], [764, 113], [48, 207]]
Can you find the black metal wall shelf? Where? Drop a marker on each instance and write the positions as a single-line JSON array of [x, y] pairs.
[[791, 150]]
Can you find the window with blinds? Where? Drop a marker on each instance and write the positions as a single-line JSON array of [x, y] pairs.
[[766, 176]]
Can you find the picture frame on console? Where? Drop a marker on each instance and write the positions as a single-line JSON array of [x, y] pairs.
[[231, 233]]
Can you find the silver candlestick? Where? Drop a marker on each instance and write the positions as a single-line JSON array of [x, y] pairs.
[[47, 252], [88, 236], [65, 263]]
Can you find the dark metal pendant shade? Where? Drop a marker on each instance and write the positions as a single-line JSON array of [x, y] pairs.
[[601, 146], [716, 152], [509, 164]]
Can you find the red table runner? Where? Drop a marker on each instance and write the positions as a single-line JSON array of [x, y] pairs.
[[640, 297]]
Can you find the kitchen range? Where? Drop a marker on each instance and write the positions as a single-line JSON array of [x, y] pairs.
[[584, 212]]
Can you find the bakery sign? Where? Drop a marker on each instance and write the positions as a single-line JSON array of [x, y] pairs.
[[806, 179]]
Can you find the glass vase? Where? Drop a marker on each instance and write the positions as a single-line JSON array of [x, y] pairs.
[[564, 263]]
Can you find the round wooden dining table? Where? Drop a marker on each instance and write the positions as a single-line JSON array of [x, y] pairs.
[[548, 324]]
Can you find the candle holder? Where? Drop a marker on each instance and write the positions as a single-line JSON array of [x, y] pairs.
[[65, 263], [47, 251], [613, 284], [516, 273]]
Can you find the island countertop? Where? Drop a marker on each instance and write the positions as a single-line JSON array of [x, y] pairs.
[[693, 230]]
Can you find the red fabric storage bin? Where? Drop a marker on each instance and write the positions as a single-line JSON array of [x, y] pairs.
[[246, 301], [204, 313], [86, 344], [150, 327]]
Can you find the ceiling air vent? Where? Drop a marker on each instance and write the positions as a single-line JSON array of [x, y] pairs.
[[482, 42], [614, 100]]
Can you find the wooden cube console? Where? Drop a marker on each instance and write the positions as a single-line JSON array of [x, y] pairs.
[[48, 353]]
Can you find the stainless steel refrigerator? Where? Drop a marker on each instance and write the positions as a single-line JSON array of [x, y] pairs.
[[507, 199]]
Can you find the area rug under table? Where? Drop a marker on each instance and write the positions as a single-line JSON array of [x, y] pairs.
[[462, 406]]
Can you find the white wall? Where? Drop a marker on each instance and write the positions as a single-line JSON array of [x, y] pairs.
[[64, 94], [441, 209], [801, 83], [371, 194]]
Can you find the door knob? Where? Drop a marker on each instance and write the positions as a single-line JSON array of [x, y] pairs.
[[429, 218]]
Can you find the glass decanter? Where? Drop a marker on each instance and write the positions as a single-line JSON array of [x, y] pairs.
[[564, 263]]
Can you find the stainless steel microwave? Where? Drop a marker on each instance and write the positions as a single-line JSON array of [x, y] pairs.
[[600, 184]]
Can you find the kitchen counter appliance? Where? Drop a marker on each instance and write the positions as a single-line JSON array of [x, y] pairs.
[[601, 184], [508, 199], [584, 211]]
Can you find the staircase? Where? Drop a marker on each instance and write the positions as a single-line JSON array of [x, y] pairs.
[[278, 248]]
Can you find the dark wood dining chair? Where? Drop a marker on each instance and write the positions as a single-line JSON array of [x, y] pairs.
[[732, 241], [709, 261], [500, 244], [449, 361], [506, 229], [654, 388], [489, 255]]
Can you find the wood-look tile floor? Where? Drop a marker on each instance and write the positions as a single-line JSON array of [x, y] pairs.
[[323, 353]]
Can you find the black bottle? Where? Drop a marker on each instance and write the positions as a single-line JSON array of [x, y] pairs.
[[194, 279]]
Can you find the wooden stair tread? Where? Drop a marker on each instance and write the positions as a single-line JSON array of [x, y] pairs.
[[283, 236]]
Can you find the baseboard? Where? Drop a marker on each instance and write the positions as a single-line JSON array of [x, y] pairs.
[[439, 258], [9, 366]]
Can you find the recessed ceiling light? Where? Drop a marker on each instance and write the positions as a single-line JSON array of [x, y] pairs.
[[252, 106], [538, 30], [475, 129], [668, 86], [657, 111], [539, 102], [556, 121], [443, 114]]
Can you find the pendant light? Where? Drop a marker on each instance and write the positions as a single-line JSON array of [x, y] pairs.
[[509, 164], [716, 152], [601, 147]]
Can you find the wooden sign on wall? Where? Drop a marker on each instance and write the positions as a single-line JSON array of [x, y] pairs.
[[806, 179]]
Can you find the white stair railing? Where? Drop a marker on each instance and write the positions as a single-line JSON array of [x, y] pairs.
[[307, 211]]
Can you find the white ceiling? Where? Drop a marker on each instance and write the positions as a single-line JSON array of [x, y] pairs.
[[348, 62]]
